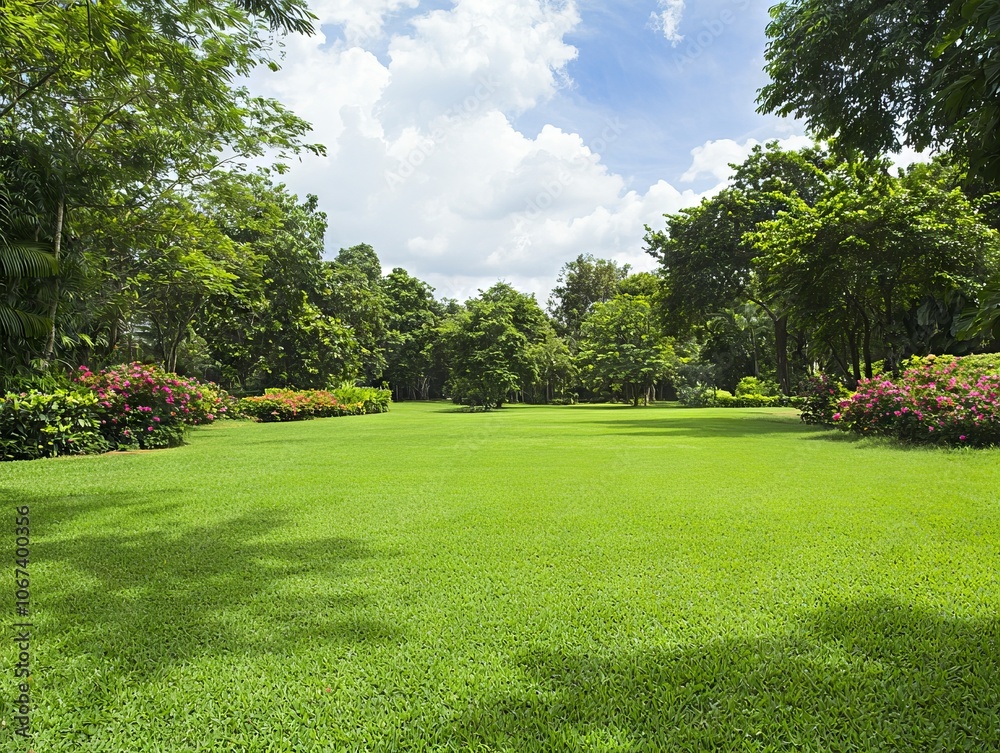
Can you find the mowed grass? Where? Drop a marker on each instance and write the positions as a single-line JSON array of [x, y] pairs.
[[532, 579]]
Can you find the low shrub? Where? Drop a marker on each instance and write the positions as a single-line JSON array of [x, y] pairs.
[[754, 387], [751, 401], [127, 406], [966, 366], [820, 398], [703, 396], [291, 405], [373, 400], [952, 403], [44, 425], [696, 395], [757, 401]]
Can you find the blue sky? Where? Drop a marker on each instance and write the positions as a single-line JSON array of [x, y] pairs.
[[671, 96], [472, 140]]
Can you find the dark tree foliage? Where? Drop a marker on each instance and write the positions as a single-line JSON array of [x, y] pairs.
[[490, 346], [413, 318], [880, 74]]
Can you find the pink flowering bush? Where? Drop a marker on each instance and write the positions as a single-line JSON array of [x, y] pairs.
[[945, 403], [144, 406], [291, 405]]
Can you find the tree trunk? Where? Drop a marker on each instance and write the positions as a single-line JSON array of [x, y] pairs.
[[781, 353], [50, 343], [852, 341], [867, 349]]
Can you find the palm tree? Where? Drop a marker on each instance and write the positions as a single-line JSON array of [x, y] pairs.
[[23, 262], [20, 260]]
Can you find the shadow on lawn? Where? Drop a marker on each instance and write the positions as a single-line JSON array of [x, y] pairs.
[[709, 427], [854, 677], [245, 586]]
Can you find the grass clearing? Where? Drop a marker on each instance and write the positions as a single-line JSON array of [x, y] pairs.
[[536, 578]]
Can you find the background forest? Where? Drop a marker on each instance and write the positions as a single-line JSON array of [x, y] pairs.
[[136, 224]]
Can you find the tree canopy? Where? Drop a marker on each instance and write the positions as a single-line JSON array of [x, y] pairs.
[[878, 75]]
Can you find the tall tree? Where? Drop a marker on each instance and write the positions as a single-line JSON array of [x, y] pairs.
[[870, 250], [133, 102], [583, 282], [413, 318], [623, 350], [489, 346], [354, 294], [271, 330], [706, 260]]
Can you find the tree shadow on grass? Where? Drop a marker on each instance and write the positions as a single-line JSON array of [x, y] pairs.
[[145, 597], [888, 443], [855, 677], [709, 427]]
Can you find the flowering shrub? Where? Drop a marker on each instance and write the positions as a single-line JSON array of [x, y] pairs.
[[291, 405], [144, 406], [820, 397], [44, 425], [940, 404]]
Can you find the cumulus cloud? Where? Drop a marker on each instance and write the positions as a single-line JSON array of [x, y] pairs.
[[668, 19], [713, 158], [424, 160], [362, 21]]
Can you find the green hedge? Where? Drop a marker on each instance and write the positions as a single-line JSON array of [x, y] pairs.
[[753, 401], [968, 366], [703, 396], [43, 425]]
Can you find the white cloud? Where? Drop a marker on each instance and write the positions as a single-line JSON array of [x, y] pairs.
[[362, 20], [425, 163], [668, 20], [713, 158]]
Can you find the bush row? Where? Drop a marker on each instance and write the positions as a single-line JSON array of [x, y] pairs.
[[723, 399], [290, 405], [751, 392], [126, 407]]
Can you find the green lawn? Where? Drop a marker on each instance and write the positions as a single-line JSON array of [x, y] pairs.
[[537, 578]]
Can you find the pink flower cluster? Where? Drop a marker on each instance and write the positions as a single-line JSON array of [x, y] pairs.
[[941, 405], [141, 399]]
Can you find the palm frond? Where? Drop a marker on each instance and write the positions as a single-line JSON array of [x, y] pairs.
[[17, 323], [26, 259]]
